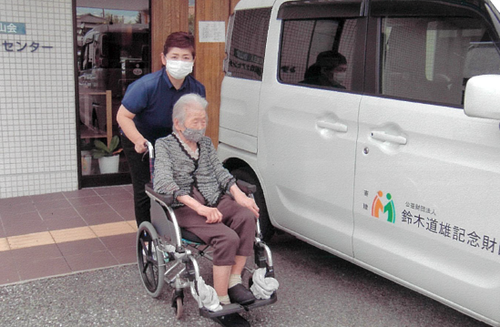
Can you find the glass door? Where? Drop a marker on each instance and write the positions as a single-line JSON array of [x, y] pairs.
[[113, 50]]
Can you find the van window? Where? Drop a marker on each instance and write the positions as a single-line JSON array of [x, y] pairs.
[[318, 52], [431, 59], [246, 48]]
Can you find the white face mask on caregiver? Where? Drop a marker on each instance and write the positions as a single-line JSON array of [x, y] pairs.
[[179, 69]]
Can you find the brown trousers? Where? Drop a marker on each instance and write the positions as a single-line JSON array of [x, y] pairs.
[[229, 238]]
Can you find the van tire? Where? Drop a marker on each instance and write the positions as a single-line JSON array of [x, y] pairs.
[[248, 176]]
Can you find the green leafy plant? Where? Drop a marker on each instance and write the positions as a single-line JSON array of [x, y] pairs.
[[103, 150]]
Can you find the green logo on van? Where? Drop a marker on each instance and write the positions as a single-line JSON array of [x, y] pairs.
[[384, 206]]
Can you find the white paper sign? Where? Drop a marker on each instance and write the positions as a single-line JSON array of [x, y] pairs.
[[212, 31]]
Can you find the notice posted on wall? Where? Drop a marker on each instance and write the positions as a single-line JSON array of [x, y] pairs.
[[212, 31]]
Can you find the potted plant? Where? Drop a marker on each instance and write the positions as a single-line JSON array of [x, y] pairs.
[[108, 155]]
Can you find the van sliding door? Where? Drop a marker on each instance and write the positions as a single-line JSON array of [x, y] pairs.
[[308, 119]]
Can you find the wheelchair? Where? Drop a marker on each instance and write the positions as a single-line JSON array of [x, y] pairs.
[[167, 254]]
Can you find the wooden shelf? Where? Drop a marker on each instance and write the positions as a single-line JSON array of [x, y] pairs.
[[88, 133]]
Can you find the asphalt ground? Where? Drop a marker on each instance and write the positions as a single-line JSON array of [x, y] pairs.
[[316, 289]]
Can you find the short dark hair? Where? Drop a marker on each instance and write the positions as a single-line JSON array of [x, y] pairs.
[[330, 59], [181, 40]]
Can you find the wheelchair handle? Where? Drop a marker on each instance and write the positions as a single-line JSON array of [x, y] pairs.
[[151, 151], [150, 148]]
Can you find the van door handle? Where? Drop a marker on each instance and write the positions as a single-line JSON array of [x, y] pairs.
[[382, 136], [337, 127]]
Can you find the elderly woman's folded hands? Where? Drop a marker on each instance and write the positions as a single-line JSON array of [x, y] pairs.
[[213, 214]]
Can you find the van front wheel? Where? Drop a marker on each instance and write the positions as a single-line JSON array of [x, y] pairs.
[[248, 176]]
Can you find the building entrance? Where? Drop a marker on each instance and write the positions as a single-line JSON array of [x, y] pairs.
[[113, 50]]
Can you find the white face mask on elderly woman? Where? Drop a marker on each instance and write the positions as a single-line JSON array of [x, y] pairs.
[[179, 69], [193, 135]]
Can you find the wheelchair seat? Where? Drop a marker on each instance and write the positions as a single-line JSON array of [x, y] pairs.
[[190, 237], [168, 200]]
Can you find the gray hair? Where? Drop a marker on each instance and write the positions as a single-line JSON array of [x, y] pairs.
[[179, 110]]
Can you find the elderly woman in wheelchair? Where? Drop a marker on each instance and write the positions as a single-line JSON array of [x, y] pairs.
[[206, 203]]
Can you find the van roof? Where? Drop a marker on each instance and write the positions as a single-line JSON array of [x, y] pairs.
[[250, 4]]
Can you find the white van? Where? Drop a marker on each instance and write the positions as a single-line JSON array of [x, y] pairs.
[[394, 165]]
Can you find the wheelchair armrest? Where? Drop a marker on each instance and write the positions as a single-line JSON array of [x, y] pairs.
[[246, 187], [167, 199]]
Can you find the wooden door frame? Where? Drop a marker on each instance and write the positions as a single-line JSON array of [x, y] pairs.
[[168, 16]]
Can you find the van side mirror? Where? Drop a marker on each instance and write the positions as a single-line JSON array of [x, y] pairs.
[[482, 97]]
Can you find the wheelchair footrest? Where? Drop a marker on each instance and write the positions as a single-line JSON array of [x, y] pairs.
[[226, 310], [261, 303], [235, 307]]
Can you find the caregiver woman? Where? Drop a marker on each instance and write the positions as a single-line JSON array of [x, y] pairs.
[[146, 111]]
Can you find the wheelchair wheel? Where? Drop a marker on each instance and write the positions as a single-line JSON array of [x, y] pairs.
[[179, 308], [150, 259], [178, 303]]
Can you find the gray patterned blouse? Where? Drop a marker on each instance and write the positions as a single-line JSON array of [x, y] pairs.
[[176, 172]]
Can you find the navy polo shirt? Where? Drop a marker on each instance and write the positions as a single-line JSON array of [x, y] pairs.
[[152, 97]]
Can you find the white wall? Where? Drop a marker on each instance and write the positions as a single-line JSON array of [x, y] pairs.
[[38, 151]]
